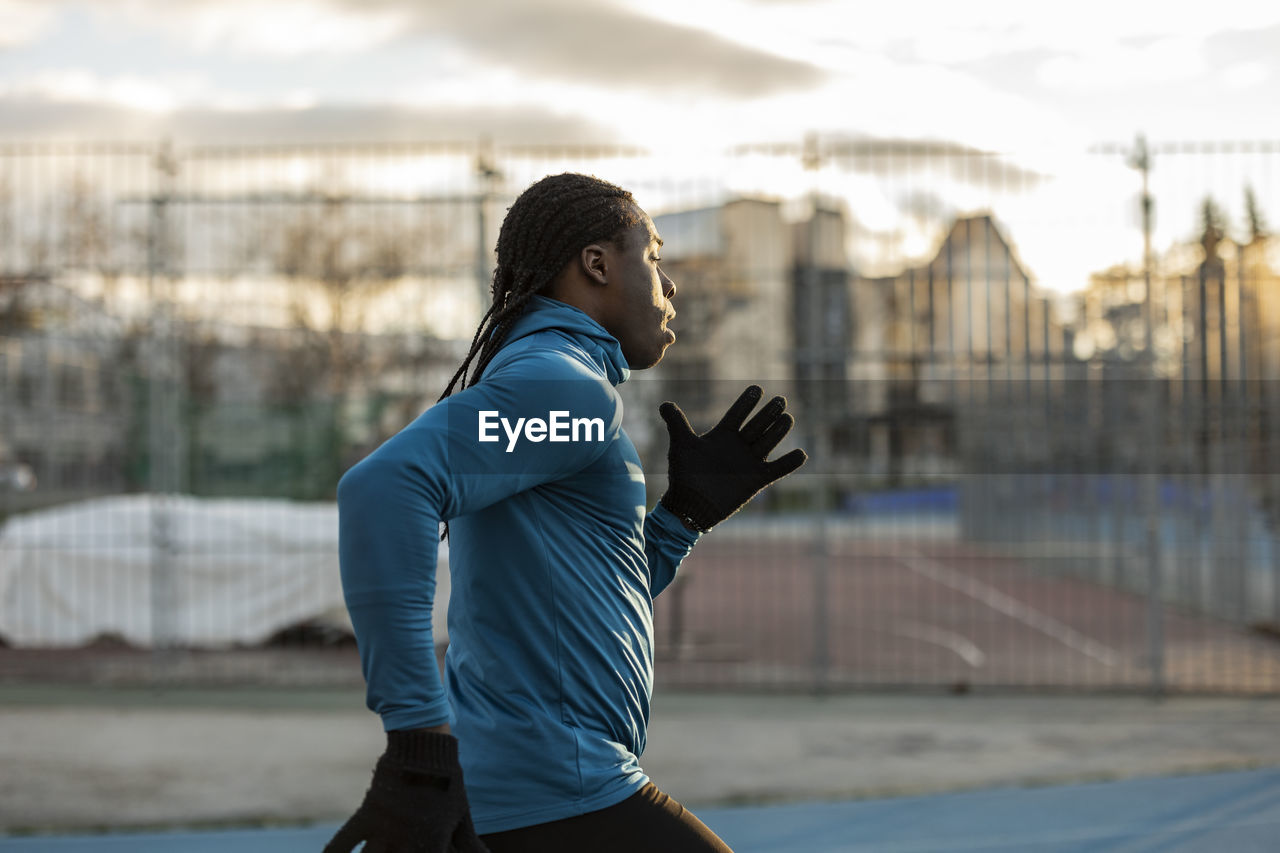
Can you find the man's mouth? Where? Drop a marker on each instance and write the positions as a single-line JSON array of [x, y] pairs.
[[671, 336]]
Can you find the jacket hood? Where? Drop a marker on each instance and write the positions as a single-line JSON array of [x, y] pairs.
[[545, 314]]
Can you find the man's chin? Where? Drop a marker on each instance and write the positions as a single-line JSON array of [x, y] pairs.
[[649, 359]]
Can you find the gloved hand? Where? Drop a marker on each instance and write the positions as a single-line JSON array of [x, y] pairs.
[[713, 475], [416, 804]]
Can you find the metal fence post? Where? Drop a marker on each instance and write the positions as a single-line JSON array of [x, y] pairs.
[[163, 423], [817, 356], [1141, 160]]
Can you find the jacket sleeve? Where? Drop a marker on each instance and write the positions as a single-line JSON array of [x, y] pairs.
[[391, 503], [666, 543]]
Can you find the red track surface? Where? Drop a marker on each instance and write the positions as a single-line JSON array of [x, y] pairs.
[[744, 614], [929, 613]]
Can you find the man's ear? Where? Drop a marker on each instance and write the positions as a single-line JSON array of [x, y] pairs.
[[594, 264]]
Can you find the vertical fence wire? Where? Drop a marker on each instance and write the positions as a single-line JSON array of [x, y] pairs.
[[1007, 486]]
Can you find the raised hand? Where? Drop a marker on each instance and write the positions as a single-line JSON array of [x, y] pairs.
[[713, 475]]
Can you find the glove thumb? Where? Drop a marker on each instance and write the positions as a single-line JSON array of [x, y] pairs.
[[465, 839], [784, 465], [346, 839], [677, 424]]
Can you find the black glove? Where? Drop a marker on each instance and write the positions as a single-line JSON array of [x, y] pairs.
[[416, 803], [712, 476]]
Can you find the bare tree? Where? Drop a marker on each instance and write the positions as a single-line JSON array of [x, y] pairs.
[[200, 351], [1253, 215], [1211, 231], [16, 314], [84, 241], [8, 259], [340, 264], [350, 264]]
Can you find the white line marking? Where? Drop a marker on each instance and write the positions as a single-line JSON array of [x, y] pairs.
[[1011, 607], [958, 643]]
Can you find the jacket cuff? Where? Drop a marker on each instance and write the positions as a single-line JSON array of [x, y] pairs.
[[423, 749], [691, 507], [673, 526]]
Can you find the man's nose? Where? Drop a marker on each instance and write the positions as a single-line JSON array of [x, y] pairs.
[[668, 286]]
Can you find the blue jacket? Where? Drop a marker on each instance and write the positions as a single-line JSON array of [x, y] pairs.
[[554, 567]]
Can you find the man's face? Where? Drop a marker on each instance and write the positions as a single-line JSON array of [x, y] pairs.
[[638, 306]]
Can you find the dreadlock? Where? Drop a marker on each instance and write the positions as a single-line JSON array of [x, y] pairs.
[[547, 225]]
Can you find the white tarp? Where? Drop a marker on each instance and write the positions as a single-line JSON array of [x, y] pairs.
[[228, 571]]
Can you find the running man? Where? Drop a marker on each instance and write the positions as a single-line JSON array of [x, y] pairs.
[[555, 562]]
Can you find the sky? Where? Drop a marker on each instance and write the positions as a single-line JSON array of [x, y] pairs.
[[1043, 82]]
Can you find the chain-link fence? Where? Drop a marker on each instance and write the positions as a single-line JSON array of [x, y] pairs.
[[1008, 486]]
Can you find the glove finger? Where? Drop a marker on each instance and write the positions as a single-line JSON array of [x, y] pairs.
[[741, 408], [346, 838], [677, 423], [773, 434], [784, 465], [465, 839], [765, 418], [433, 840], [473, 845]]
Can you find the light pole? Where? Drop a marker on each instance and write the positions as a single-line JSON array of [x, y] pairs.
[[1141, 160]]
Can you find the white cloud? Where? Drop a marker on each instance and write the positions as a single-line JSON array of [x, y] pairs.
[[60, 107], [81, 85], [1167, 60], [170, 93], [946, 31], [1243, 75], [22, 21], [281, 28], [561, 39]]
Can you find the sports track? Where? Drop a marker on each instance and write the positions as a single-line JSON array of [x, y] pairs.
[[921, 612], [1237, 812], [916, 609], [927, 612]]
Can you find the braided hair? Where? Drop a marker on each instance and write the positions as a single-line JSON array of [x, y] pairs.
[[548, 224]]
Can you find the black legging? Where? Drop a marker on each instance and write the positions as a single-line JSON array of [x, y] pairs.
[[646, 822]]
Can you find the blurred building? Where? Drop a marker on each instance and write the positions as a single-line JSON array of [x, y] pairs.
[[89, 401], [831, 382], [284, 412], [1215, 308], [65, 406], [1215, 312], [731, 264], [884, 362], [966, 329], [761, 299]]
